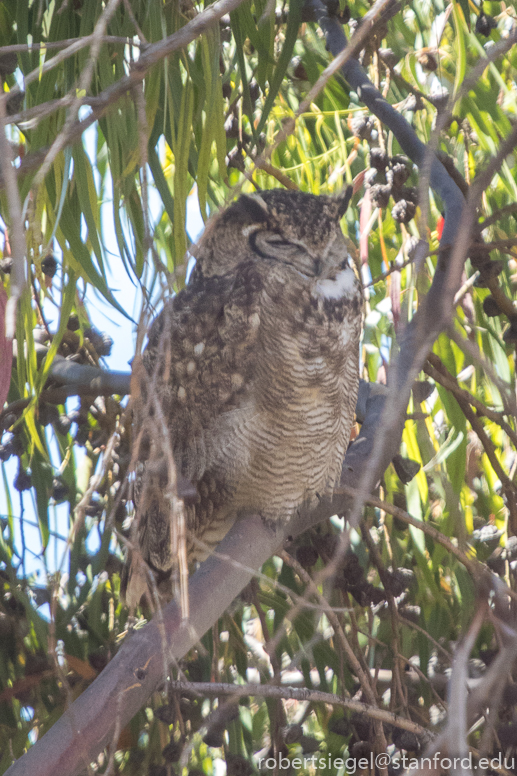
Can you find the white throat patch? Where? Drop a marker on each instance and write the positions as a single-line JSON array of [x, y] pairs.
[[343, 285]]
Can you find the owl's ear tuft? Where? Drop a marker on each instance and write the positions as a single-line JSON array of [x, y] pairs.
[[254, 207], [343, 200]]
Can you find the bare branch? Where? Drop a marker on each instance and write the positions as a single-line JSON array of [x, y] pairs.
[[16, 231], [302, 694]]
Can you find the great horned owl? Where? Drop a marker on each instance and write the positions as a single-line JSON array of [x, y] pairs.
[[254, 370]]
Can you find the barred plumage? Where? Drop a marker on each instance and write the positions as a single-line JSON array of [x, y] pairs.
[[254, 369]]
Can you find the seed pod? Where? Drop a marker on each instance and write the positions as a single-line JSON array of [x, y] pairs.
[[292, 734], [404, 739], [60, 489], [406, 468], [403, 211], [361, 127], [394, 584], [62, 425], [94, 509], [6, 451], [23, 480], [369, 177], [389, 58], [298, 69], [490, 307], [101, 341], [380, 195], [214, 737], [378, 159], [73, 322], [422, 389], [49, 265], [254, 91], [485, 24], [400, 174]]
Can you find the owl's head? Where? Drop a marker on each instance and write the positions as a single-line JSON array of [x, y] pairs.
[[299, 229]]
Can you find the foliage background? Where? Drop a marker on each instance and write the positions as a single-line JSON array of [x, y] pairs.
[[114, 214]]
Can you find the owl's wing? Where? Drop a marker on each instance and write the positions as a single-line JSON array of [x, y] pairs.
[[200, 360], [197, 372]]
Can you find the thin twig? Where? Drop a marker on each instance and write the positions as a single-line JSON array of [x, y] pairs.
[[16, 231], [301, 694]]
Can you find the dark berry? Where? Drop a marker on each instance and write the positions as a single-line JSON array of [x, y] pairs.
[[23, 480], [378, 159], [49, 265], [485, 24], [73, 322], [490, 307], [403, 211], [62, 424], [369, 177], [361, 127], [406, 468], [400, 173], [388, 57], [394, 584], [214, 737], [60, 490], [254, 91], [101, 341], [292, 734], [422, 389], [380, 195], [231, 126], [404, 739], [94, 509], [6, 451]]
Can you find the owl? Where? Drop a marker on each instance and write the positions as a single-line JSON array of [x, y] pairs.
[[250, 376]]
